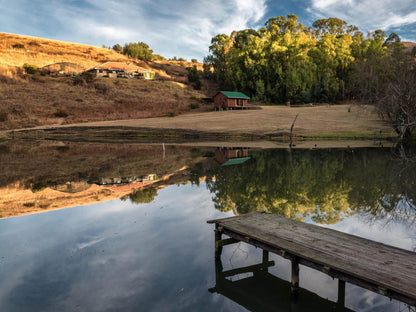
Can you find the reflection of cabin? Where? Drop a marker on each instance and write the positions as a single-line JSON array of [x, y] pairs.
[[231, 155], [230, 100], [62, 69], [122, 70], [127, 180]]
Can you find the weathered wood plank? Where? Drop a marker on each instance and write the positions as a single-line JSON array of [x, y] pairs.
[[389, 268]]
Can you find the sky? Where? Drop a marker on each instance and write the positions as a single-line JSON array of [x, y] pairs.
[[184, 28]]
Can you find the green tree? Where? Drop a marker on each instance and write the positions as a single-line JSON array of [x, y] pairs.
[[138, 50], [118, 48], [193, 77]]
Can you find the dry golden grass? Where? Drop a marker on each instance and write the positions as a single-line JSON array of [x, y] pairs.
[[332, 121], [28, 101], [58, 101], [42, 52]]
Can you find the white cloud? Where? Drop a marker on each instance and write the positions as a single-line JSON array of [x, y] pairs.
[[171, 28], [368, 15]]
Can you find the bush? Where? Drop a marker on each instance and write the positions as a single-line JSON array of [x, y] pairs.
[[60, 113], [197, 85], [101, 87], [18, 46], [194, 105], [4, 116], [34, 44], [172, 113], [83, 79], [37, 187], [30, 69]]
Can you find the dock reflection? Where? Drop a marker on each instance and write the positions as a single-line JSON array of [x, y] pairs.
[[263, 291]]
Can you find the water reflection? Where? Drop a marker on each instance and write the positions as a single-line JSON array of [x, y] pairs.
[[152, 250], [325, 186], [40, 176], [258, 290]]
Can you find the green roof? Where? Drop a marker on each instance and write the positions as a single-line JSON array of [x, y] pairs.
[[235, 161], [234, 95]]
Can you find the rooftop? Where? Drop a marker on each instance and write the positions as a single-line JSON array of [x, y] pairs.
[[234, 95]]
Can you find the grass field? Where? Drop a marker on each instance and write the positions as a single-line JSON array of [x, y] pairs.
[[332, 122], [320, 120]]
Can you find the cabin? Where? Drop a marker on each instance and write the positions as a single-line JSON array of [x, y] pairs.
[[230, 100], [122, 70]]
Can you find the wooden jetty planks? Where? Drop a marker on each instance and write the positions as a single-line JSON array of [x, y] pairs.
[[387, 267]]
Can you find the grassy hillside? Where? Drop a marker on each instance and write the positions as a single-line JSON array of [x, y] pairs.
[[32, 100]]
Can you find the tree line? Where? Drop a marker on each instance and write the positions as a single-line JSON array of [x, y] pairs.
[[332, 61], [138, 50]]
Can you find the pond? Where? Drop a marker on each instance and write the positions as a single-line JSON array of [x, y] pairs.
[[133, 235]]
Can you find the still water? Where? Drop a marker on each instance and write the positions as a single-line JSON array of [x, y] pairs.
[[134, 236]]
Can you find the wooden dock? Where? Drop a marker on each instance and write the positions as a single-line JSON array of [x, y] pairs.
[[387, 270]]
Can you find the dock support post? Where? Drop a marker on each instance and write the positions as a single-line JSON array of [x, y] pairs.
[[265, 260], [295, 277], [341, 293], [218, 247]]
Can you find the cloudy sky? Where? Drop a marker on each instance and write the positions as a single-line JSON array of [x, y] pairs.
[[184, 28]]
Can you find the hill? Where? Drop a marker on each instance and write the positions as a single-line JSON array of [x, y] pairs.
[[32, 100]]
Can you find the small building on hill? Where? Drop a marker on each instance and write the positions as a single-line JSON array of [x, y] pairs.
[[122, 70], [230, 100]]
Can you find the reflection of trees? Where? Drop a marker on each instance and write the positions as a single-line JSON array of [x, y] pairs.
[[326, 185], [143, 196], [387, 187]]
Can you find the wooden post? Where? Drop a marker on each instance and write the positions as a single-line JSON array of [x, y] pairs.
[[265, 260], [341, 293], [218, 247], [295, 277]]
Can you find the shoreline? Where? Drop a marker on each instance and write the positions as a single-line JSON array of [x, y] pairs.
[[271, 123], [90, 134]]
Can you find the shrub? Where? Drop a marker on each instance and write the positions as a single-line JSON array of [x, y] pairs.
[[194, 60], [4, 116], [101, 87], [194, 105], [83, 79], [197, 85], [34, 44], [172, 113], [18, 46], [79, 100], [60, 113], [37, 187], [30, 69]]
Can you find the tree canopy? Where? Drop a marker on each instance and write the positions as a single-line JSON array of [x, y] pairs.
[[285, 61]]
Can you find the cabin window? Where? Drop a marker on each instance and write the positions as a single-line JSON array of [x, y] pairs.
[[240, 102]]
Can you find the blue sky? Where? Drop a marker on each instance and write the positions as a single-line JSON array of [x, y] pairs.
[[184, 28]]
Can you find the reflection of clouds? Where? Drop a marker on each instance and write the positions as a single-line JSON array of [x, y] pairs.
[[394, 234], [100, 257], [122, 256], [359, 299]]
